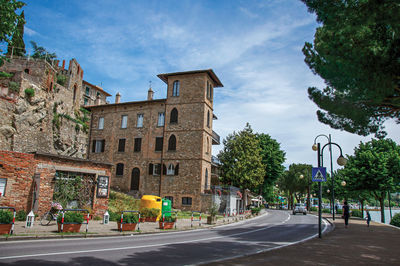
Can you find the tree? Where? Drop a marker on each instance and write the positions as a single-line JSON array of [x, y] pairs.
[[292, 183], [374, 167], [8, 21], [40, 52], [17, 46], [356, 50], [272, 158], [241, 160]]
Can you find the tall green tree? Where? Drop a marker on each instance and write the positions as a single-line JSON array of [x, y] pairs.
[[17, 46], [374, 167], [241, 160], [8, 21], [272, 158], [292, 183], [356, 50]]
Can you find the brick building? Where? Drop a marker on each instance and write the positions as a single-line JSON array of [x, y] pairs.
[[27, 180], [161, 147]]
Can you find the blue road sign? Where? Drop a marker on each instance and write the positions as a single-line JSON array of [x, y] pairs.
[[319, 174]]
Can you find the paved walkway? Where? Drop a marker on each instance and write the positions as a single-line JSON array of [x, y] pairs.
[[97, 228], [356, 245]]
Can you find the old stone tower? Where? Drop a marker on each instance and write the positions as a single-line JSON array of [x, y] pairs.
[[161, 147]]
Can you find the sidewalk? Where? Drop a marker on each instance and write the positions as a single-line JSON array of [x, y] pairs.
[[97, 228], [356, 245]]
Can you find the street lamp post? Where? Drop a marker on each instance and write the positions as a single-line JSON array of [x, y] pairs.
[[341, 161]]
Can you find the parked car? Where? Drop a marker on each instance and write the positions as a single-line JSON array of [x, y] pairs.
[[299, 208]]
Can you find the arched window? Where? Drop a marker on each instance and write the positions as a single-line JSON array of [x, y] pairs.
[[175, 88], [174, 116], [206, 180], [120, 169], [172, 143], [208, 119], [171, 169]]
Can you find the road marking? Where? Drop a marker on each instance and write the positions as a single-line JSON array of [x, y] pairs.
[[138, 247]]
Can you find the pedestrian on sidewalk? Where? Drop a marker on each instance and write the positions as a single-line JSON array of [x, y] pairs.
[[346, 213], [368, 218]]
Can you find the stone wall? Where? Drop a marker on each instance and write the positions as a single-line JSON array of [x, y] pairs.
[[20, 168]]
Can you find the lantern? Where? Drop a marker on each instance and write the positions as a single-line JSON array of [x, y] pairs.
[[30, 219], [106, 218]]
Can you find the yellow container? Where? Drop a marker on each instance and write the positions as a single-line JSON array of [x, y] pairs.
[[151, 201]]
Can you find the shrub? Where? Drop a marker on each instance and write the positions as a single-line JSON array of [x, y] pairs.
[[5, 74], [339, 211], [114, 216], [13, 86], [326, 210], [30, 92], [97, 218], [130, 218], [255, 210], [313, 209], [21, 215], [6, 217], [149, 212], [61, 79], [169, 219], [71, 217], [113, 195], [213, 210], [356, 213], [396, 220]]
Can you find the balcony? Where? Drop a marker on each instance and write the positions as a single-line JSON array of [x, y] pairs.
[[215, 138]]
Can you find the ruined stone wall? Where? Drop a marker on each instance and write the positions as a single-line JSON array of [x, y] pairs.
[[45, 122]]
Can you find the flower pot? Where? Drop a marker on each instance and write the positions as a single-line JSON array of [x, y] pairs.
[[151, 219], [167, 225], [211, 219], [5, 229], [70, 228], [126, 227]]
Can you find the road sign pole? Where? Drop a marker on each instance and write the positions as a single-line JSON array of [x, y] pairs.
[[319, 195]]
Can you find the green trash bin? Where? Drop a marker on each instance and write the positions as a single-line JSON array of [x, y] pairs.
[[166, 207]]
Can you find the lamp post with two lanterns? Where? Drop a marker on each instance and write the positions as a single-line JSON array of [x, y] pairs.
[[341, 161]]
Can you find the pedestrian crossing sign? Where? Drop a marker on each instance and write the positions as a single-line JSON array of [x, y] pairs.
[[319, 174]]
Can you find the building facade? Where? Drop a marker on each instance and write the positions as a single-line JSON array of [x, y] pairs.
[[161, 147]]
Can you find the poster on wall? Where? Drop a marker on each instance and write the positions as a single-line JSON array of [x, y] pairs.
[[102, 186]]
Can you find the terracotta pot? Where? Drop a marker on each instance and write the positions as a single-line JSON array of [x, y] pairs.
[[5, 229], [126, 227], [151, 219], [70, 228], [167, 225]]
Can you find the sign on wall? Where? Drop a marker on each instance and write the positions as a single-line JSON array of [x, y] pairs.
[[102, 186]]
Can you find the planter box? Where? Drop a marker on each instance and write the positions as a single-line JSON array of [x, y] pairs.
[[126, 227], [70, 228], [211, 219], [150, 219], [5, 229], [167, 225]]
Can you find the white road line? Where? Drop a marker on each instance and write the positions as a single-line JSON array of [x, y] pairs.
[[137, 247]]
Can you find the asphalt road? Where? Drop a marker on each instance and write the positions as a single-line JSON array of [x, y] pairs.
[[269, 231]]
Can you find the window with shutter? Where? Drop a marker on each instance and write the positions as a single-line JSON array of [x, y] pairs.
[[119, 169], [159, 144], [121, 145], [138, 145]]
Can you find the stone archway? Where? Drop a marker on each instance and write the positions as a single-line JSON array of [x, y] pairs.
[[135, 179]]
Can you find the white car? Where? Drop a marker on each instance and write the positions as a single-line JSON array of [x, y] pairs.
[[299, 208]]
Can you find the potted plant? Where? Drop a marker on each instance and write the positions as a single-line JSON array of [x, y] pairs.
[[169, 222], [72, 222], [6, 218], [149, 214], [212, 217], [129, 222]]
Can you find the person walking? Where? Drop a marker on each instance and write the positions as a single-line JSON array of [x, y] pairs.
[[368, 218], [346, 214]]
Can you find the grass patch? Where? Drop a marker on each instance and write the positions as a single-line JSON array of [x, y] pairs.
[[121, 202]]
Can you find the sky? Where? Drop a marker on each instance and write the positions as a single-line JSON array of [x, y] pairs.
[[253, 46]]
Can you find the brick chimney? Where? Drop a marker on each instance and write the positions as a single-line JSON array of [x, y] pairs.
[[150, 94], [117, 98]]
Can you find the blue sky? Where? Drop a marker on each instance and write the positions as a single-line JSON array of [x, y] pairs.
[[254, 47]]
